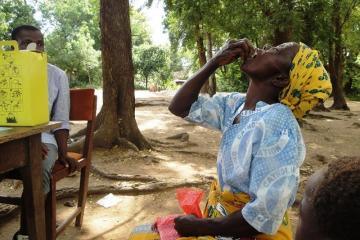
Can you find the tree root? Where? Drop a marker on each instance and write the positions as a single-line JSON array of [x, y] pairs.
[[122, 177], [7, 210], [132, 189], [154, 141], [127, 144], [320, 107], [205, 155], [188, 124], [320, 116], [143, 103], [77, 146], [171, 144], [343, 107], [183, 137], [308, 126]]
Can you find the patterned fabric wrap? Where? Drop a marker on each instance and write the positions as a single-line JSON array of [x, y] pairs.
[[309, 82], [223, 203], [144, 232]]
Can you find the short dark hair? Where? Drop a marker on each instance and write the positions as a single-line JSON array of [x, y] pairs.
[[15, 32], [337, 200]]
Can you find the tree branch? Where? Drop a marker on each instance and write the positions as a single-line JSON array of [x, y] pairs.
[[348, 13]]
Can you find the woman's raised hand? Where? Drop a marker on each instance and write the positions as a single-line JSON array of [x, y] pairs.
[[232, 50]]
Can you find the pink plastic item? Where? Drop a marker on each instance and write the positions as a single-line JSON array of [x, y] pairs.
[[189, 200], [165, 226]]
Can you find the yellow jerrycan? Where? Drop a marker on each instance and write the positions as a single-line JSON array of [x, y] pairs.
[[23, 86]]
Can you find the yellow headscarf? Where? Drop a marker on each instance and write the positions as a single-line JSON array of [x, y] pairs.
[[309, 82]]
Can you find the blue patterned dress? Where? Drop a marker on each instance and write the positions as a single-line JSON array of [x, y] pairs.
[[261, 155]]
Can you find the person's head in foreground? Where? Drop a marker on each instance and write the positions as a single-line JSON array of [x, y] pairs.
[[330, 209], [27, 34], [291, 72]]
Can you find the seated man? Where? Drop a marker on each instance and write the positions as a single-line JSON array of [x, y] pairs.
[[54, 144], [330, 209], [261, 148]]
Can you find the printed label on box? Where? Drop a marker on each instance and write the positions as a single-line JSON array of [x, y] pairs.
[[11, 88]]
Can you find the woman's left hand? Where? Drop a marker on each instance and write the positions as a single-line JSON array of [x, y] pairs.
[[190, 225]]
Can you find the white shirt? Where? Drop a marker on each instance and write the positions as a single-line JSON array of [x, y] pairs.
[[58, 102]]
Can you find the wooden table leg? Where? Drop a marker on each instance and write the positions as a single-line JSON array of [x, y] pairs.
[[33, 190]]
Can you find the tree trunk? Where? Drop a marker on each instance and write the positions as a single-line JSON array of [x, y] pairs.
[[348, 86], [283, 31], [118, 78], [307, 34], [282, 35], [212, 79], [201, 55], [336, 60]]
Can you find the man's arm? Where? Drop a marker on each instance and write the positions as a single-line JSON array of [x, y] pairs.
[[189, 92], [61, 137], [61, 111], [233, 225]]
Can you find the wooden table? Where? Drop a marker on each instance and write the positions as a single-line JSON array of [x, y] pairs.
[[20, 148]]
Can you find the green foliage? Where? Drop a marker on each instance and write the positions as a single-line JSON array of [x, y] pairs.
[[230, 79], [77, 56], [264, 22], [73, 42], [352, 76], [139, 28], [150, 61], [352, 57], [68, 17], [14, 13]]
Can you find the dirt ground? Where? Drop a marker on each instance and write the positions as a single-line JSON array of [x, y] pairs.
[[191, 157]]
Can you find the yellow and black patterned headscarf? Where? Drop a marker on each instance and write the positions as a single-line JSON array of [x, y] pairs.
[[309, 82]]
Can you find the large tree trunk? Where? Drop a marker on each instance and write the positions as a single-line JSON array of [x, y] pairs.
[[118, 78], [336, 60], [212, 79], [201, 54]]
